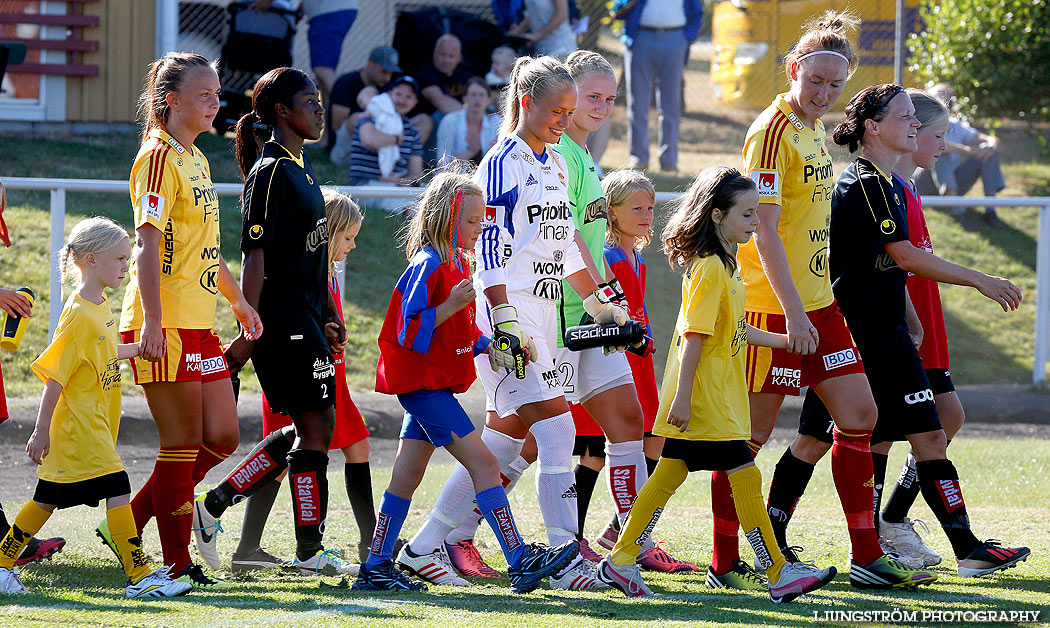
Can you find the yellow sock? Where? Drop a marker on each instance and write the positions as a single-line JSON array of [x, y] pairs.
[[28, 522], [754, 520], [129, 544], [665, 480]]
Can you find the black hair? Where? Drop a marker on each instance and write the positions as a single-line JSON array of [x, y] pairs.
[[869, 104], [276, 87]]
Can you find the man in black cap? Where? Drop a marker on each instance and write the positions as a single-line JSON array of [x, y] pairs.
[[382, 64]]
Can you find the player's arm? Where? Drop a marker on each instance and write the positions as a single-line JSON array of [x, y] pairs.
[[689, 360], [914, 324], [929, 266], [252, 266], [40, 442], [246, 315], [802, 335], [588, 259], [147, 262]]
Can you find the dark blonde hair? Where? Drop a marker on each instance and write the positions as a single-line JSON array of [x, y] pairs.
[[539, 78], [580, 62], [343, 213], [437, 216], [691, 231], [928, 108], [829, 32], [618, 186], [91, 235], [165, 76]]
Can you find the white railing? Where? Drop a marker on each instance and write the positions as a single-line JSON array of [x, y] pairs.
[[59, 187]]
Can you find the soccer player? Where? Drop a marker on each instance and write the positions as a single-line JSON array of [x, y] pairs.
[[528, 246], [169, 307], [871, 257], [74, 440]]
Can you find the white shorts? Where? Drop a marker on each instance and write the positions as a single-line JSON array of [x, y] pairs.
[[587, 373], [505, 393]]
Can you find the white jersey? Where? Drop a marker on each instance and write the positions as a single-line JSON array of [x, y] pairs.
[[528, 240]]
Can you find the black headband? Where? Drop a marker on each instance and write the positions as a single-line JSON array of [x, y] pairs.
[[891, 95], [732, 177]]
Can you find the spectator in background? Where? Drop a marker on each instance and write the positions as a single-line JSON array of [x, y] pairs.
[[468, 133], [443, 81], [367, 140], [502, 63], [345, 109], [970, 155], [657, 34], [546, 27]]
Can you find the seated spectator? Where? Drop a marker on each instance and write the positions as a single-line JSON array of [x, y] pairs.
[[468, 134], [368, 140], [546, 27], [971, 154], [443, 81], [381, 66]]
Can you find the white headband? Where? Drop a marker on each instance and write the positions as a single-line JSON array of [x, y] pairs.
[[821, 52]]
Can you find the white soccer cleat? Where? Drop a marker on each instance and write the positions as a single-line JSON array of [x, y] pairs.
[[582, 575], [904, 540], [799, 578], [627, 579], [158, 583], [205, 530], [435, 567], [326, 563], [10, 583]]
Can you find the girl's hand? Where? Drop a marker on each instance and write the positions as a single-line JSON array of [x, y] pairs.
[[678, 415], [251, 324], [331, 332], [38, 446], [461, 295], [152, 343]]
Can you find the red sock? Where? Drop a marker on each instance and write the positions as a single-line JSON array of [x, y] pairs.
[[142, 504], [173, 502], [854, 480], [726, 547], [209, 456]]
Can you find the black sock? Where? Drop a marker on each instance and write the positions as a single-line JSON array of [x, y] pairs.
[[586, 478], [790, 479], [263, 463], [904, 493], [308, 479], [878, 466], [358, 478], [650, 465], [3, 521], [939, 483], [256, 511]]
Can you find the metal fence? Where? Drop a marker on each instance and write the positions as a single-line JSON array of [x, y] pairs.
[[59, 187]]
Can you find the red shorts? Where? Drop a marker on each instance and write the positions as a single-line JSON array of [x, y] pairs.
[[349, 424], [779, 372], [194, 355], [3, 398], [587, 426]]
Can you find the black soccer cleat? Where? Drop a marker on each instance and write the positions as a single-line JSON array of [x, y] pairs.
[[385, 577], [990, 557], [540, 561]]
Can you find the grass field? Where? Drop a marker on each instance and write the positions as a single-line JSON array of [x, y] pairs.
[[1003, 482]]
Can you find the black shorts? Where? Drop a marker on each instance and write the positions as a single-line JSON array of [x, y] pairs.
[[593, 446], [82, 493], [295, 367], [940, 381], [708, 455]]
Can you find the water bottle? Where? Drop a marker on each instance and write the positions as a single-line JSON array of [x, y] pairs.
[[15, 326]]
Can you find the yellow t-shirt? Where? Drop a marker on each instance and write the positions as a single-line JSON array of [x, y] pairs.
[[792, 168], [171, 189], [82, 357], [712, 305]]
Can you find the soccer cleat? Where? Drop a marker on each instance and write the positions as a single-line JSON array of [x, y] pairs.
[[657, 559], [581, 576], [798, 578], [205, 530], [990, 557], [195, 576], [791, 554], [102, 532], [325, 563], [255, 561], [539, 561], [37, 549], [385, 577], [158, 584], [627, 579], [467, 560], [608, 538], [740, 576], [433, 567], [10, 583], [911, 562], [903, 539], [887, 573], [588, 553]]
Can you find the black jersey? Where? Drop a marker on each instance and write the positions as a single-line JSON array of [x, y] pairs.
[[284, 215], [868, 211]]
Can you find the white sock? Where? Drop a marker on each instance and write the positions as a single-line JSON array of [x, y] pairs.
[[452, 507], [556, 483], [626, 473], [506, 450]]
